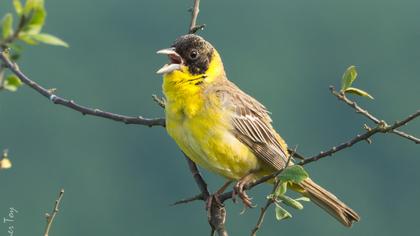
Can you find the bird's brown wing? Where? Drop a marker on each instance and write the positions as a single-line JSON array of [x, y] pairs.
[[252, 125]]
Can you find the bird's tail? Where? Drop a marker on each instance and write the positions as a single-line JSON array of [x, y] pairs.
[[330, 203]]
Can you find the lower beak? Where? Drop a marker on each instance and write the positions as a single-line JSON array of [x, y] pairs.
[[175, 61]]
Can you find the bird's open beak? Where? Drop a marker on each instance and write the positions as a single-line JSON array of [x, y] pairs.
[[174, 58]]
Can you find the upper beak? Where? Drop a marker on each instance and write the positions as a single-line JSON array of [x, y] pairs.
[[175, 61], [166, 51]]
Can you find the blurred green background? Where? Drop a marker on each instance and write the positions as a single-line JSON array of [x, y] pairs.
[[121, 179]]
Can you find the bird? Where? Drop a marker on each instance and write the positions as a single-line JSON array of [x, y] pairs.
[[223, 129]]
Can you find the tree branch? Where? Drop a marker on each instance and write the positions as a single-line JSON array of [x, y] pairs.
[[342, 97], [50, 217], [72, 105], [217, 218], [190, 199], [407, 136], [261, 217], [201, 184], [381, 127], [194, 14]]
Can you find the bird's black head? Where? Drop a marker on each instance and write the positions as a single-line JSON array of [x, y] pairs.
[[189, 50], [195, 51]]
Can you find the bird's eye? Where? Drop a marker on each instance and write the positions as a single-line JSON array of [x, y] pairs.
[[193, 54]]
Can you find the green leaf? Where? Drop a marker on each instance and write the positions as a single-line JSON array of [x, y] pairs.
[[7, 25], [303, 199], [291, 202], [295, 174], [35, 11], [12, 83], [348, 77], [49, 39], [358, 92], [281, 213], [18, 7], [281, 189], [31, 5], [27, 38]]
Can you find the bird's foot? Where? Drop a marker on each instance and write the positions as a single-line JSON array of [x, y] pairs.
[[239, 190]]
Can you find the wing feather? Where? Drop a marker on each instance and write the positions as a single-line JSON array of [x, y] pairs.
[[252, 125]]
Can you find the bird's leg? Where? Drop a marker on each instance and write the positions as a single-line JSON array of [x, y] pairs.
[[215, 196], [239, 190]]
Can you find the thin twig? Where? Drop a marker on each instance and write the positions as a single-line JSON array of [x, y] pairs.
[[295, 154], [160, 101], [50, 217], [194, 14], [188, 200], [201, 184], [271, 200], [407, 136], [380, 128], [72, 105], [342, 97], [261, 217], [354, 105]]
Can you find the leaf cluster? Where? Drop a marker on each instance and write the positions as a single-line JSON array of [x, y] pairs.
[[291, 176], [28, 30]]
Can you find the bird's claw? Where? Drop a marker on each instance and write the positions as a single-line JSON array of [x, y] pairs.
[[238, 190]]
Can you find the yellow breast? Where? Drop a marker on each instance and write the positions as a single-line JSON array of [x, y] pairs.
[[201, 128]]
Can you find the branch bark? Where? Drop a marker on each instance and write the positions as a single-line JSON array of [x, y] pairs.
[[74, 106], [261, 217], [199, 180], [194, 14]]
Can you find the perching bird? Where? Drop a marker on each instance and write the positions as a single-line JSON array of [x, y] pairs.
[[224, 130]]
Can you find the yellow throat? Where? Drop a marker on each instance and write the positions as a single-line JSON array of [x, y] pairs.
[[183, 89]]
